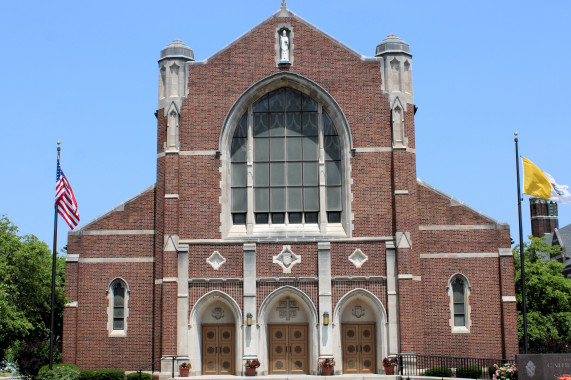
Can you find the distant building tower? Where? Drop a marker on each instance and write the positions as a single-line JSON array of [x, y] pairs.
[[544, 219]]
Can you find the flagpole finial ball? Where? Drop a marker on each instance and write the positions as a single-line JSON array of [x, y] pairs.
[[59, 142], [515, 133]]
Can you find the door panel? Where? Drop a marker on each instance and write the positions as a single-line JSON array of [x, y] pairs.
[[359, 348], [288, 349], [218, 350]]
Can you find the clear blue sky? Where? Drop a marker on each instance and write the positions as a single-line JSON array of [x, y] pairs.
[[86, 73]]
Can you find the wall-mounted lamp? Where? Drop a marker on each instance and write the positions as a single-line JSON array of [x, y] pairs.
[[249, 319], [325, 318]]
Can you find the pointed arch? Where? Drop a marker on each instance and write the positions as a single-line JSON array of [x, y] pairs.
[[212, 296], [459, 289], [397, 115], [313, 325], [173, 114], [118, 294], [196, 315], [274, 82], [312, 310], [381, 322], [330, 199]]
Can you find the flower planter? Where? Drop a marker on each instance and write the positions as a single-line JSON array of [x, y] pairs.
[[389, 370], [250, 371], [327, 371], [183, 372]]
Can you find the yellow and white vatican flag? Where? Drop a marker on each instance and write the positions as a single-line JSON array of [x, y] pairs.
[[542, 185]]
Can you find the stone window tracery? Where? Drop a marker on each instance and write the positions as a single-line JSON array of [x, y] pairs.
[[286, 131]]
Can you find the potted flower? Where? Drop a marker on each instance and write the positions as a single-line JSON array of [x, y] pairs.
[[327, 365], [251, 366], [389, 365], [183, 369]]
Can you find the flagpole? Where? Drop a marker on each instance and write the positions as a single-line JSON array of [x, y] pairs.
[[54, 254], [521, 247]]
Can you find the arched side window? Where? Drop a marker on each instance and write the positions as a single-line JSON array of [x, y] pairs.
[[118, 311], [459, 292], [286, 167]]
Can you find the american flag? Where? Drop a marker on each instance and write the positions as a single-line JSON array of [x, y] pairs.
[[65, 200]]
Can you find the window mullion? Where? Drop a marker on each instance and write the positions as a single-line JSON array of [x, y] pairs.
[[250, 174], [321, 172]]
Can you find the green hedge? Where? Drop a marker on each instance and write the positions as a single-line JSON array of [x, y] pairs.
[[135, 376], [469, 372], [109, 374], [86, 374], [438, 372], [62, 372], [47, 367]]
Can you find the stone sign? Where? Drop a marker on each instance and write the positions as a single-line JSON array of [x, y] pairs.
[[543, 366]]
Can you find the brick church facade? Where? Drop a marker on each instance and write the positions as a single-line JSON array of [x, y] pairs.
[[287, 224]]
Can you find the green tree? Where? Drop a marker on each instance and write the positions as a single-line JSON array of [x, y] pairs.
[[548, 298], [25, 296]]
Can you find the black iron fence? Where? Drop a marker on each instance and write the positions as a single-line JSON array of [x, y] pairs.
[[446, 366]]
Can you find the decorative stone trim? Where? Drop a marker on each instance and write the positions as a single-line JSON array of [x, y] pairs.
[[287, 259], [113, 232], [216, 260], [171, 196], [379, 149], [505, 252], [409, 276], [358, 311], [358, 258], [454, 227], [72, 258], [198, 152], [71, 304], [402, 240], [287, 279], [118, 260], [288, 239], [508, 299], [459, 255], [401, 192], [215, 280], [359, 278]]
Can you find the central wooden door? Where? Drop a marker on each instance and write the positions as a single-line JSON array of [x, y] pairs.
[[218, 349], [359, 348], [288, 349]]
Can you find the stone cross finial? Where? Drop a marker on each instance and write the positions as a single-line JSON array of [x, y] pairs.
[[284, 6]]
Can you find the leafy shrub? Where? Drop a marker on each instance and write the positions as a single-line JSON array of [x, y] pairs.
[[86, 374], [62, 372], [469, 372], [506, 372], [135, 376], [109, 374], [492, 369], [47, 367], [438, 372]]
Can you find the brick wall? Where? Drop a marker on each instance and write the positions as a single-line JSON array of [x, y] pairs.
[[355, 84]]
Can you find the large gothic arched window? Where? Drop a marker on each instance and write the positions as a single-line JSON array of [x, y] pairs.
[[287, 139]]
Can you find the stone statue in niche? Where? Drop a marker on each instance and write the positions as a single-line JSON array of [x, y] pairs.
[[284, 46]]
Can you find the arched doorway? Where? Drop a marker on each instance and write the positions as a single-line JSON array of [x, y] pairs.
[[363, 332], [289, 332], [215, 335]]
